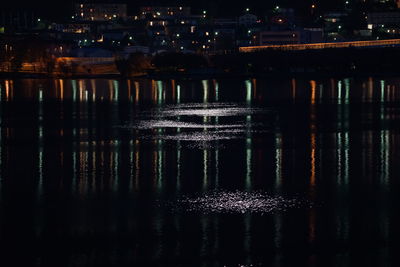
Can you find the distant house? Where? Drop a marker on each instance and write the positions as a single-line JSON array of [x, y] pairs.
[[164, 12], [99, 12], [278, 37]]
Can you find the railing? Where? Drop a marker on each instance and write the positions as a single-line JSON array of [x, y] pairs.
[[389, 42]]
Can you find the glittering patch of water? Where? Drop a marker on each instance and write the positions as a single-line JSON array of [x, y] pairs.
[[239, 202], [206, 110], [155, 124]]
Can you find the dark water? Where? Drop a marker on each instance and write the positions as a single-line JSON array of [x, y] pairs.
[[200, 173]]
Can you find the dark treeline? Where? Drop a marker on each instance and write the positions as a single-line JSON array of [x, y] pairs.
[[329, 61], [338, 60]]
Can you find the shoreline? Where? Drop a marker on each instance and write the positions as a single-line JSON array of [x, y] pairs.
[[190, 76]]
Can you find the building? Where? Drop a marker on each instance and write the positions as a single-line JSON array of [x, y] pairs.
[[278, 37], [164, 12], [383, 19], [99, 12]]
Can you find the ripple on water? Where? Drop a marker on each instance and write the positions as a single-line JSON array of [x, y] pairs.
[[239, 202], [154, 124], [210, 112]]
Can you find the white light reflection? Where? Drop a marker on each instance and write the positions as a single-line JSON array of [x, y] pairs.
[[278, 160], [248, 168], [339, 157], [217, 167], [116, 165], [205, 91], [216, 86], [205, 169], [384, 156], [178, 165], [347, 91], [116, 90], [74, 90], [248, 91], [346, 158], [160, 91], [249, 139], [160, 164], [178, 94]]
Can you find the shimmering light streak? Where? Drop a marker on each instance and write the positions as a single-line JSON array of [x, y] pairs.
[[178, 165], [248, 91], [82, 89], [7, 85], [347, 91], [205, 90], [248, 168], [61, 81], [116, 90], [239, 202], [116, 165], [313, 91], [40, 170], [384, 156], [216, 86], [94, 89], [160, 164], [160, 90], [211, 110], [346, 158], [370, 89], [74, 90], [131, 165], [137, 90], [137, 166], [217, 167], [312, 159], [178, 94], [339, 89], [278, 160], [205, 169]]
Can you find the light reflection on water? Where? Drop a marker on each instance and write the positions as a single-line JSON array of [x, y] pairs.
[[84, 159], [238, 202]]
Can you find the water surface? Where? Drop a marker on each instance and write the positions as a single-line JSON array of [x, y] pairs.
[[226, 172]]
